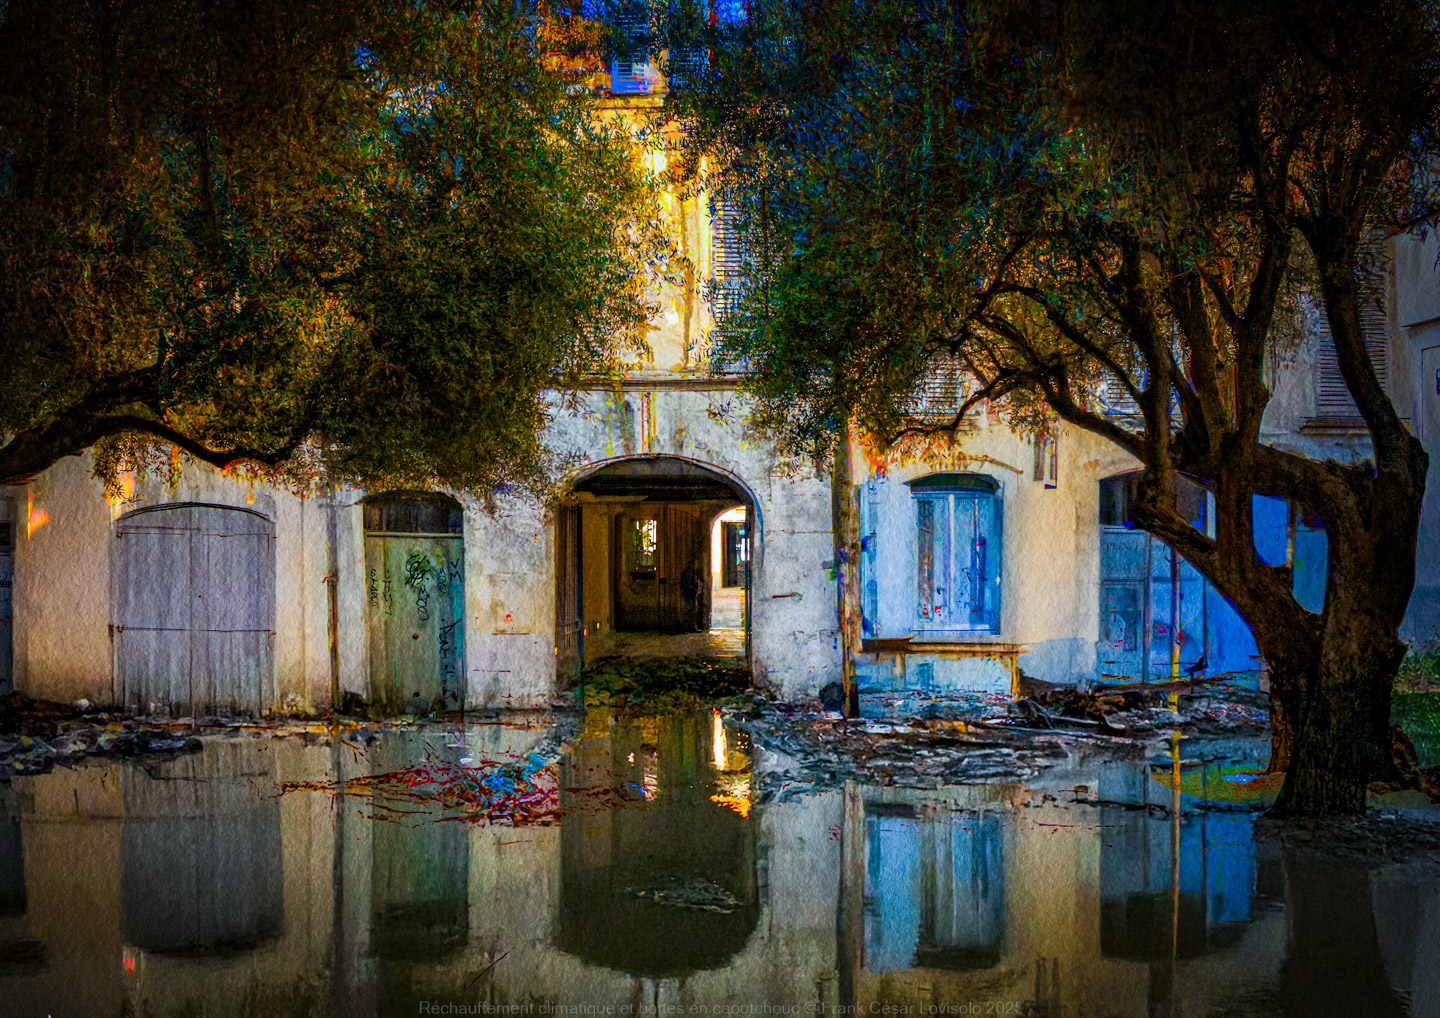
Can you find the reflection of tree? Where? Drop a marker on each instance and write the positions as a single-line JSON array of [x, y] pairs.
[[12, 867], [1333, 964]]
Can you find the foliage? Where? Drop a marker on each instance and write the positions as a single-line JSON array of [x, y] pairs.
[[1418, 714], [327, 242], [662, 685], [1420, 671], [923, 181]]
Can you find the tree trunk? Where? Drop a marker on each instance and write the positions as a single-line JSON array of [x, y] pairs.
[[847, 569], [1281, 730], [1330, 704], [1338, 740]]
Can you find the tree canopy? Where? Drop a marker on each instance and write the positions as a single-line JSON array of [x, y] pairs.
[[350, 241], [1063, 197]]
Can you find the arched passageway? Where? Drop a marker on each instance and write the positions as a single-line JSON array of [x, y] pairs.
[[636, 562]]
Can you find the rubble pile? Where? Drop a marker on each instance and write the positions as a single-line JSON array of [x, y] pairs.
[[974, 738], [69, 741], [26, 754], [825, 749]]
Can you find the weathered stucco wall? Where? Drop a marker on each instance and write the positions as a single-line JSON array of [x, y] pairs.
[[1049, 585], [65, 586], [62, 585], [794, 648]]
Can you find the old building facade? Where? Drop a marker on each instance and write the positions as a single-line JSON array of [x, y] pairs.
[[981, 557]]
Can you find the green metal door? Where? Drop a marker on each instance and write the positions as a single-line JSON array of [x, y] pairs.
[[415, 594]]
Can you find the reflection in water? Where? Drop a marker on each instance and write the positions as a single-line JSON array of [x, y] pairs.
[[12, 867], [190, 887], [1186, 884], [934, 891], [419, 870], [668, 887], [200, 855]]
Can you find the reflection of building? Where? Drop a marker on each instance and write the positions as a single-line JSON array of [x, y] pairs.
[[1179, 888], [200, 863], [934, 890], [859, 898], [1050, 910]]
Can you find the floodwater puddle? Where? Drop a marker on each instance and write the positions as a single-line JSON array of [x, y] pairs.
[[629, 865]]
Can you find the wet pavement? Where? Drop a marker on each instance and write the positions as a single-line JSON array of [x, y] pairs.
[[736, 861]]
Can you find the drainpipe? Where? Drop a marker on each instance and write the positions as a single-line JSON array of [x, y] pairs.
[[332, 582]]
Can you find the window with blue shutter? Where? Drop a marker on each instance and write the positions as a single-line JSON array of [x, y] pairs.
[[957, 522]]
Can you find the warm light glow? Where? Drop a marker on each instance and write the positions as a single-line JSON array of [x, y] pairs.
[[718, 741], [35, 518], [650, 780], [124, 494]]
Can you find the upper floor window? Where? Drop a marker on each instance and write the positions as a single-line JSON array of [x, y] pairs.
[[1119, 494], [957, 522], [630, 69]]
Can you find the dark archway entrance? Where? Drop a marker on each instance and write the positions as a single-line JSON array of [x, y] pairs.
[[635, 561]]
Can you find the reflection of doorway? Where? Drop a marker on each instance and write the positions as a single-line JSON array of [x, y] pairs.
[[673, 888], [414, 591]]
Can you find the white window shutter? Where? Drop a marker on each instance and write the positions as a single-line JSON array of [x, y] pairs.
[[939, 392], [1332, 395], [629, 72], [729, 264]]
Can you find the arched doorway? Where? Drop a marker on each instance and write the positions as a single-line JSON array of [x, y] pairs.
[[414, 595], [194, 609], [635, 561]]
